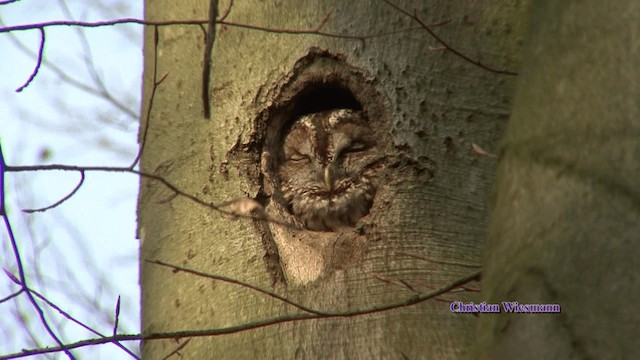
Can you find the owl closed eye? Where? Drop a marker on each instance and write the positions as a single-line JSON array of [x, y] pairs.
[[327, 169]]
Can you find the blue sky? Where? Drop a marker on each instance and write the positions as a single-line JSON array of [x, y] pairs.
[[83, 254]]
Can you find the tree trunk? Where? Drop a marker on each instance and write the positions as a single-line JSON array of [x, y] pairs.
[[426, 227], [566, 222]]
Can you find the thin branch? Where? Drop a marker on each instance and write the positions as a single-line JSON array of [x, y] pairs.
[[216, 207], [209, 45], [238, 282], [12, 277], [16, 253], [183, 22], [209, 39], [23, 280], [80, 323], [147, 120], [400, 283], [294, 31], [74, 82], [9, 297], [446, 45], [414, 300], [228, 11], [325, 19], [88, 56], [117, 317], [95, 24], [440, 262], [38, 62], [73, 192], [3, 168], [177, 350], [71, 346]]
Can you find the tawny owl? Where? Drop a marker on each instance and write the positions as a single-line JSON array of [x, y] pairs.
[[328, 167]]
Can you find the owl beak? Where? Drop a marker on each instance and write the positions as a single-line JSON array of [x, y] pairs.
[[327, 177]]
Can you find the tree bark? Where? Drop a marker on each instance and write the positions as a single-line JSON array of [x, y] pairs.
[[427, 225], [565, 220]]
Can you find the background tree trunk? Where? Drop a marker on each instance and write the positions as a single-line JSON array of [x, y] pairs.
[[430, 219], [565, 223]]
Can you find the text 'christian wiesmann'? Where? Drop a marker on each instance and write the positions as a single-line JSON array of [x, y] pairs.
[[507, 306]]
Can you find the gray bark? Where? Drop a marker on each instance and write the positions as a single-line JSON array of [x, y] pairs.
[[565, 223], [427, 227]]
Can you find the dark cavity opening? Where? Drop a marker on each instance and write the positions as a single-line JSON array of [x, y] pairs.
[[322, 97]]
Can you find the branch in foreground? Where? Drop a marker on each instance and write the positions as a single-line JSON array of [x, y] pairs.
[[146, 122], [11, 296], [16, 254], [240, 204], [208, 49], [38, 63], [23, 280], [446, 45], [177, 350], [67, 197], [209, 41], [240, 283], [68, 79], [414, 300], [94, 24], [67, 315], [123, 21]]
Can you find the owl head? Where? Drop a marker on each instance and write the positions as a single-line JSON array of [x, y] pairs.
[[327, 169]]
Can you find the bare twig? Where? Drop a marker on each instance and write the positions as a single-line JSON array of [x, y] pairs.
[[68, 79], [177, 350], [11, 296], [220, 208], [209, 41], [400, 283], [3, 168], [16, 254], [80, 323], [227, 12], [117, 317], [89, 58], [23, 279], [38, 62], [325, 18], [206, 63], [238, 282], [453, 263], [96, 24], [147, 120], [67, 197], [414, 300], [446, 45]]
